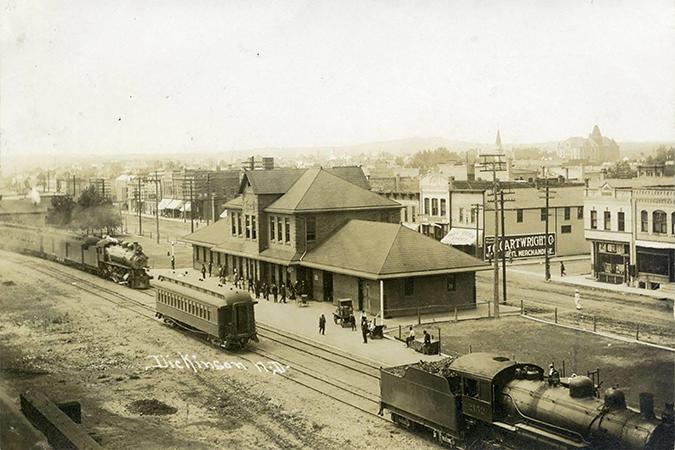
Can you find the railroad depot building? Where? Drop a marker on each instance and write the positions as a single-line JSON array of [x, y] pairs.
[[326, 229], [630, 225]]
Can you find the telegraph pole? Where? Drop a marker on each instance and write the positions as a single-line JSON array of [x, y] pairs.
[[192, 209], [547, 193], [208, 190], [501, 201], [138, 206], [476, 209], [156, 180], [493, 163]]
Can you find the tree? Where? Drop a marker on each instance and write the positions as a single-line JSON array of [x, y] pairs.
[[60, 213], [620, 169], [663, 154], [93, 211]]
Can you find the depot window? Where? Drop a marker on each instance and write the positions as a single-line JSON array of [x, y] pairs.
[[280, 231], [248, 226], [254, 232], [238, 224], [234, 224], [311, 229], [272, 233], [409, 287]]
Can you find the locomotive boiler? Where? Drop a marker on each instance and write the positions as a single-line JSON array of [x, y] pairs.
[[123, 262], [480, 397]]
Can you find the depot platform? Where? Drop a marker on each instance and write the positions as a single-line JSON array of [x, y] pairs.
[[303, 322]]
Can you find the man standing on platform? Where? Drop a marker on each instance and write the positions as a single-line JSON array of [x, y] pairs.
[[210, 268], [322, 324], [364, 331], [203, 271], [275, 292], [282, 288]]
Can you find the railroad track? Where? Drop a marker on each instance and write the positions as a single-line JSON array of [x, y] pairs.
[[364, 400]]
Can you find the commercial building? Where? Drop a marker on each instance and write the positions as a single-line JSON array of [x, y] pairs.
[[631, 228], [324, 231]]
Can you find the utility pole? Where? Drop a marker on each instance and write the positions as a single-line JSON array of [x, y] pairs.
[[476, 210], [493, 163], [156, 180], [192, 209], [547, 193], [208, 190], [501, 201], [138, 206]]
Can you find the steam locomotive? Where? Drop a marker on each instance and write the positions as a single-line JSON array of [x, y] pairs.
[[122, 262], [482, 397]]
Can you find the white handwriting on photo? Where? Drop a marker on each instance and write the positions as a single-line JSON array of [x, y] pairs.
[[192, 362]]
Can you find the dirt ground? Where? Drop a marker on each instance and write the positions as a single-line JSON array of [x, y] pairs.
[[73, 346], [634, 368]]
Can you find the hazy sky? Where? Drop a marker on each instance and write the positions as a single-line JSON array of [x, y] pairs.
[[200, 75]]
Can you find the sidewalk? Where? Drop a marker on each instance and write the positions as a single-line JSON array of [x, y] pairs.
[[304, 323], [666, 291]]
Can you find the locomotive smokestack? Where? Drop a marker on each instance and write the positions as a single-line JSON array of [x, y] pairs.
[[647, 405]]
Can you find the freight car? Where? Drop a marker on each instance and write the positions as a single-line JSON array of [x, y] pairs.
[[481, 396], [224, 318], [121, 262]]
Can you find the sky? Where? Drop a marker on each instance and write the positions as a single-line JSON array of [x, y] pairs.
[[131, 76]]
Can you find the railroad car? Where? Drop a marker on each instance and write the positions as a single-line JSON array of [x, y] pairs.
[[121, 262], [224, 318], [481, 397]]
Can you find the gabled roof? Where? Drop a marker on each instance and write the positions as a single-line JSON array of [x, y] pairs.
[[236, 203], [209, 236], [319, 190], [278, 181], [378, 250]]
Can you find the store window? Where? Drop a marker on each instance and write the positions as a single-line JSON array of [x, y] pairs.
[[659, 222], [443, 207], [607, 220], [426, 206], [594, 220], [644, 221]]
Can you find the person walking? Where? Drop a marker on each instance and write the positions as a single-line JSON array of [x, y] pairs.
[[322, 324], [210, 268], [282, 289], [577, 299], [257, 289], [173, 262], [266, 292], [364, 331], [203, 271], [562, 269], [275, 292], [411, 337]]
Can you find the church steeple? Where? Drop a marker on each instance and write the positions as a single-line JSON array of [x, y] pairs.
[[596, 135], [498, 142]]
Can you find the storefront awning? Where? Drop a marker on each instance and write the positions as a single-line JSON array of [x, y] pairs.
[[460, 236], [175, 204], [164, 203], [186, 207], [654, 244], [412, 225]]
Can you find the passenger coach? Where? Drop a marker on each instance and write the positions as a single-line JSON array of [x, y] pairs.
[[223, 318]]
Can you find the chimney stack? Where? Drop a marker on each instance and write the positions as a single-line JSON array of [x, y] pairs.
[[647, 405]]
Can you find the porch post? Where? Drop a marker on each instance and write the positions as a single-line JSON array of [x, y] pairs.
[[382, 301]]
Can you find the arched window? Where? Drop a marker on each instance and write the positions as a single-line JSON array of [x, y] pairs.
[[644, 218], [659, 222]]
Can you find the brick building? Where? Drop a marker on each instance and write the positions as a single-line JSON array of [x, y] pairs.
[[630, 225], [322, 228]]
